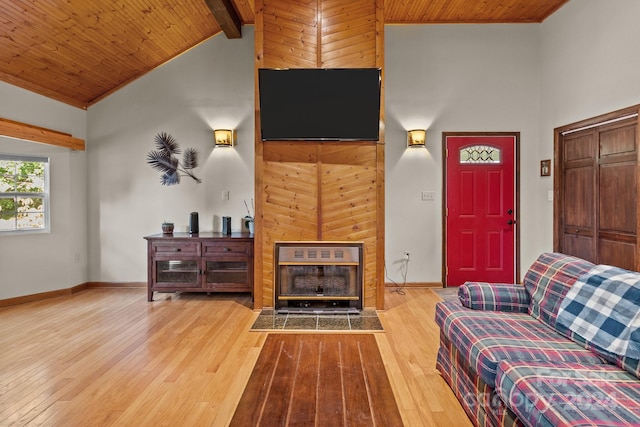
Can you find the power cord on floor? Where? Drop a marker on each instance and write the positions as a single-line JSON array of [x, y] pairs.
[[399, 289]]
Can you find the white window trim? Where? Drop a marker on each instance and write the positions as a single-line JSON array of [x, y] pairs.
[[45, 195]]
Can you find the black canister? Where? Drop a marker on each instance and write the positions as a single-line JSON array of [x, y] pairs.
[[226, 225], [194, 225]]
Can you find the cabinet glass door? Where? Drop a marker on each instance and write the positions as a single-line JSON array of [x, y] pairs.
[[234, 272], [177, 273]]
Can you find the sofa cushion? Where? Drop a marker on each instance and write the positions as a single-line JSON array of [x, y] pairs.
[[629, 364], [548, 280], [494, 296], [603, 308], [486, 337], [569, 394]]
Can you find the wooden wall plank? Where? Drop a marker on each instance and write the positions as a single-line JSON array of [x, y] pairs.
[[470, 11], [260, 255], [349, 200], [319, 190], [289, 201]]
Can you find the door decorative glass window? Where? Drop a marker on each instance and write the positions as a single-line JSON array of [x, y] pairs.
[[480, 154]]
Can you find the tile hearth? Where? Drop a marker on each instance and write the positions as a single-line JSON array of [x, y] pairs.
[[367, 320]]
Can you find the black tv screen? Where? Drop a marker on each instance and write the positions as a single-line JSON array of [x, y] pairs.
[[319, 104]]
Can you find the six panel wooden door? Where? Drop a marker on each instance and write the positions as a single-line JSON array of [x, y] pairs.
[[480, 209], [596, 211]]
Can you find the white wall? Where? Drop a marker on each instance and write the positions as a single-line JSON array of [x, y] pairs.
[[528, 78], [590, 66], [34, 263], [446, 78], [443, 77], [209, 87]]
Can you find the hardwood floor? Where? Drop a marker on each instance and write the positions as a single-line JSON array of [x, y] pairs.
[[320, 379], [107, 357]]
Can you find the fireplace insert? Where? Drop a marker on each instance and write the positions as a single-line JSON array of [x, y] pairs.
[[318, 277]]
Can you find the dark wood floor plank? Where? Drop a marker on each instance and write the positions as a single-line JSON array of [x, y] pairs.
[[386, 411], [321, 380], [275, 410], [359, 408], [331, 404], [302, 409], [251, 410]]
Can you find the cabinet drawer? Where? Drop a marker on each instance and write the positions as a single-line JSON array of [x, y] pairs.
[[231, 248], [170, 248]]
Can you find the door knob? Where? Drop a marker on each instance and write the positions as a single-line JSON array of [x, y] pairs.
[[510, 211], [511, 222]]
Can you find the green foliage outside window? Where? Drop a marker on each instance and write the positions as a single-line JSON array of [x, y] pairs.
[[22, 194]]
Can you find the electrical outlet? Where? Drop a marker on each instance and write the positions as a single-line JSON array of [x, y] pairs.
[[225, 194]]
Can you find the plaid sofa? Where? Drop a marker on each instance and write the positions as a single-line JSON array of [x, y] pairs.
[[510, 363]]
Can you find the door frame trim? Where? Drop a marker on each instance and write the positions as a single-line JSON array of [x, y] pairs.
[[516, 176]]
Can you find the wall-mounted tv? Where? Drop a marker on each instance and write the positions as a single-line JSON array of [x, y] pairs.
[[319, 104]]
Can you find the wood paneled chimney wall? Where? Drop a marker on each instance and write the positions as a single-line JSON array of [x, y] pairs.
[[330, 191]]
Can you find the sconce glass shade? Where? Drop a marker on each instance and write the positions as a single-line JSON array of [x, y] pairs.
[[416, 138], [224, 137]]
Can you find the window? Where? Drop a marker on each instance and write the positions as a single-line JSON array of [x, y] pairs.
[[480, 154], [24, 194]]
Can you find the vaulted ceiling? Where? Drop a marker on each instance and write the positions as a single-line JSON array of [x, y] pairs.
[[80, 51]]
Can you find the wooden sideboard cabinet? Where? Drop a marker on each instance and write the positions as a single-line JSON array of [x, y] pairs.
[[204, 262]]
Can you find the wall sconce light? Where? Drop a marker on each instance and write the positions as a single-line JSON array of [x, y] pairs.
[[224, 137], [416, 138]]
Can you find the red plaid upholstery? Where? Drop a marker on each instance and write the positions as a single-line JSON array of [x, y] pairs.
[[548, 377], [484, 338], [549, 394], [547, 282], [494, 296], [480, 402]]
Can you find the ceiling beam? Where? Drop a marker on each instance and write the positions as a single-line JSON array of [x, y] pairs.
[[227, 17], [37, 134]]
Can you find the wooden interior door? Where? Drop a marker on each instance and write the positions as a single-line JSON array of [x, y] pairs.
[[579, 195], [596, 184], [481, 211]]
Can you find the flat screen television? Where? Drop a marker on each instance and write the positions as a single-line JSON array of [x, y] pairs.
[[319, 104]]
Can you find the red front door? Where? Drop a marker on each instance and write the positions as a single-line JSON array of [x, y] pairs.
[[480, 209]]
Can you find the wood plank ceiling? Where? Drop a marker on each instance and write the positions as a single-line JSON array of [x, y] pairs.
[[80, 51]]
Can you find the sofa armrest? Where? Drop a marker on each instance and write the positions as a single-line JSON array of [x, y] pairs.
[[494, 297]]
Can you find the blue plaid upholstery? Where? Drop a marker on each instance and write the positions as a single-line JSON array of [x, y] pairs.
[[602, 309], [494, 296], [549, 394], [486, 337], [547, 282]]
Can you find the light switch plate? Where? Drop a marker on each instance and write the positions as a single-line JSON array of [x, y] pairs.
[[428, 196]]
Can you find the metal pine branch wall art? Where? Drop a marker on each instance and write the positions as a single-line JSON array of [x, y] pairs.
[[163, 159]]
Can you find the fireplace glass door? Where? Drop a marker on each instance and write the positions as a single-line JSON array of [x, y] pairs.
[[318, 277]]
